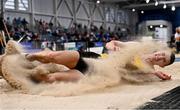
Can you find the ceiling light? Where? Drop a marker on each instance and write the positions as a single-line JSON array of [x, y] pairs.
[[156, 3], [161, 25], [133, 10], [173, 8], [142, 11], [98, 1], [164, 6], [147, 1], [151, 26]]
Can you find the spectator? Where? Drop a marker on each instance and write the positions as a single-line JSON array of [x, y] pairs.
[[177, 38]]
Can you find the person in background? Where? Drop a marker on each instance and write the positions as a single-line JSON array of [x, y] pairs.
[[177, 39]]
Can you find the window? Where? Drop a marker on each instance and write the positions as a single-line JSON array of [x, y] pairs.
[[9, 4], [121, 16], [110, 14], [23, 5]]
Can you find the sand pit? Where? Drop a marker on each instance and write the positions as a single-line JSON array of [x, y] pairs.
[[126, 96], [102, 90]]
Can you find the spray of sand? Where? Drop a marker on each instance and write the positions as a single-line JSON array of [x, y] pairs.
[[102, 73]]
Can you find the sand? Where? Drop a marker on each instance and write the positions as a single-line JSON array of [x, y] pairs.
[[126, 96], [104, 90]]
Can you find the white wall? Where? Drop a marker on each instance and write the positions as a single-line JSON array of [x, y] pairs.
[[143, 27], [43, 6]]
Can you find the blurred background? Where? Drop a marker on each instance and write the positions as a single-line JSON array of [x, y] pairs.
[[87, 24]]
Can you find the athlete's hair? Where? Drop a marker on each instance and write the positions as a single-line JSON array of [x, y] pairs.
[[172, 58]]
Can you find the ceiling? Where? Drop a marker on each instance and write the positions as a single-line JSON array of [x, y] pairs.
[[141, 4]]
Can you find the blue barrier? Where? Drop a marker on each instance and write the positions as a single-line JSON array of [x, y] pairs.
[[177, 59], [28, 47]]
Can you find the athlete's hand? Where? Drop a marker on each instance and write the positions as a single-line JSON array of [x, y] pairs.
[[112, 47], [162, 75]]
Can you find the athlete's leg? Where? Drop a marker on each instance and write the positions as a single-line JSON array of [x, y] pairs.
[[66, 58], [70, 75]]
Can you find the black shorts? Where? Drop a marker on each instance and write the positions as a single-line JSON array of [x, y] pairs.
[[89, 55], [82, 66]]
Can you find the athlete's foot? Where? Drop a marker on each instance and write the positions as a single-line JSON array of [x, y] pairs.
[[42, 56], [50, 78], [39, 78]]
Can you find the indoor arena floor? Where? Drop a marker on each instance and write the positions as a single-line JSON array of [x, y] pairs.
[[126, 96]]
